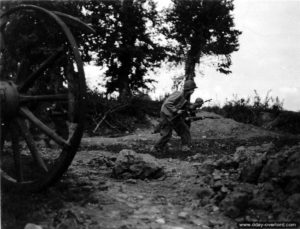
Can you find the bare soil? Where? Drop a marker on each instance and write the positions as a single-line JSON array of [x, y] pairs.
[[88, 197]]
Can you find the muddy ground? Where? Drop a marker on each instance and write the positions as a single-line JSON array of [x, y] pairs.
[[89, 197]]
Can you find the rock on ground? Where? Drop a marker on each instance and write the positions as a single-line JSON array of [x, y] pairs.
[[130, 165]]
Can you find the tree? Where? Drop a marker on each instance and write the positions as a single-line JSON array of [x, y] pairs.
[[202, 28], [123, 42]]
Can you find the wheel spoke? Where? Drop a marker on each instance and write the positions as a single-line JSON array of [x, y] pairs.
[[43, 98], [31, 145], [34, 76], [45, 129], [16, 152]]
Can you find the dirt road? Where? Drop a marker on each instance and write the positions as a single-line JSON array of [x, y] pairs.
[[88, 197]]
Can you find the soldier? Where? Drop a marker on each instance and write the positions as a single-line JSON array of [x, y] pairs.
[[192, 109], [190, 112], [172, 117]]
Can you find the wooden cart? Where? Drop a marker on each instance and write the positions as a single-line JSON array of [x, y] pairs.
[[42, 93]]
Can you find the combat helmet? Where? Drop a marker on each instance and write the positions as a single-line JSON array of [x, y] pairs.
[[189, 85], [199, 100]]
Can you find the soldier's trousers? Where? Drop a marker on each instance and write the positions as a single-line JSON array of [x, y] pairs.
[[179, 126]]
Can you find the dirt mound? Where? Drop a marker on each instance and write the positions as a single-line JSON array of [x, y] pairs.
[[220, 127], [217, 128]]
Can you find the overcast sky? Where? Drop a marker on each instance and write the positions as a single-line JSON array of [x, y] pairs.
[[268, 58]]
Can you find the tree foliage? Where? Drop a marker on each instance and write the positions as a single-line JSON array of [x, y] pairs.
[[202, 28], [123, 42]]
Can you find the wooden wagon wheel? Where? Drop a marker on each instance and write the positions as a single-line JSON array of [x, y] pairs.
[[42, 93]]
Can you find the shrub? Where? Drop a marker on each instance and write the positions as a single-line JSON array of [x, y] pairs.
[[249, 111], [116, 115]]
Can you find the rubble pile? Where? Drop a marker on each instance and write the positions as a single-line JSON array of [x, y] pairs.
[[255, 183]]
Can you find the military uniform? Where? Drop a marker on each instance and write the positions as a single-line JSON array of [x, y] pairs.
[[171, 120]]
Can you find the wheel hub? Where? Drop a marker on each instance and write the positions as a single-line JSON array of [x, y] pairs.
[[9, 99]]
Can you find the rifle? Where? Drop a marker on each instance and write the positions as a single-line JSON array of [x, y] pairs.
[[196, 106], [208, 100], [193, 108]]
